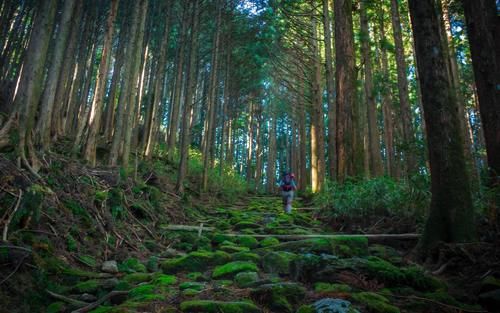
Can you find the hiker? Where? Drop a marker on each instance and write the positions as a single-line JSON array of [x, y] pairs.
[[287, 186]]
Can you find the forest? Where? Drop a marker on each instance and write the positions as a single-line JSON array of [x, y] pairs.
[[240, 156]]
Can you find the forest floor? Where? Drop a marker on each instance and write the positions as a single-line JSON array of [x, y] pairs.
[[238, 256]]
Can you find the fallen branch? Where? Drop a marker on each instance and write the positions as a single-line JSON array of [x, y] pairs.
[[300, 237], [69, 300], [7, 223], [459, 309], [16, 248], [186, 228], [95, 304]]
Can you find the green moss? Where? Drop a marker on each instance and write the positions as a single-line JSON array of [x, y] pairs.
[[246, 225], [164, 280], [326, 287], [246, 256], [136, 278], [56, 307], [246, 279], [248, 241], [142, 291], [195, 261], [88, 260], [306, 309], [350, 246], [190, 292], [209, 306], [102, 309], [132, 265], [269, 241], [278, 262], [192, 285], [375, 302], [233, 249], [89, 286], [280, 297], [196, 276], [71, 243], [152, 264], [233, 268]]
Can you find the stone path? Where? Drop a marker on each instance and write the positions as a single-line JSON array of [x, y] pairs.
[[213, 272]]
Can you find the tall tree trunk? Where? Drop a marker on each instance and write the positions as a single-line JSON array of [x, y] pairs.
[[258, 150], [135, 92], [153, 117], [176, 103], [98, 103], [404, 100], [45, 121], [317, 121], [451, 205], [345, 83], [375, 159], [483, 27], [212, 92], [330, 87], [124, 99], [251, 112], [30, 86], [189, 99]]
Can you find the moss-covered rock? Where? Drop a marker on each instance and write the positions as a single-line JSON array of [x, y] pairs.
[[56, 307], [246, 256], [195, 261], [136, 278], [329, 305], [228, 270], [306, 309], [326, 287], [192, 285], [209, 306], [142, 291], [375, 302], [248, 241], [132, 265], [280, 297], [269, 241], [164, 280], [350, 246], [196, 276], [233, 249], [190, 292], [246, 279], [278, 262]]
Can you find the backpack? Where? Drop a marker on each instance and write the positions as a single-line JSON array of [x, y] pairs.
[[287, 182]]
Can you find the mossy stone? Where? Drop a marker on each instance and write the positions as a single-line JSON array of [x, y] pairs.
[[246, 279], [195, 261], [349, 246], [190, 292], [269, 241], [233, 249], [248, 241], [164, 280], [142, 292], [196, 276], [102, 309], [278, 262], [280, 297], [152, 264], [192, 285], [229, 270], [136, 278], [210, 306], [246, 256], [306, 309], [375, 302], [326, 287], [56, 307], [246, 225], [88, 260], [132, 265]]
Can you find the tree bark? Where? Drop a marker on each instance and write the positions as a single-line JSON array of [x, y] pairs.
[[404, 100], [330, 87], [97, 105], [345, 83], [451, 212], [44, 125], [271, 158], [30, 86], [483, 27], [317, 122], [189, 99], [375, 159]]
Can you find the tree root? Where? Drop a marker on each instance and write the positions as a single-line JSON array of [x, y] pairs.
[[95, 304]]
